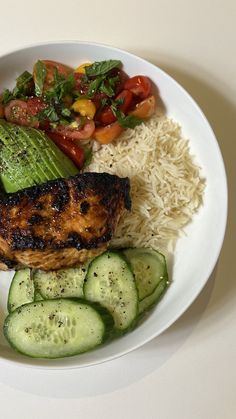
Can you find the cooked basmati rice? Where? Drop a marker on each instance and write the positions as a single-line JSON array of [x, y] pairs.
[[166, 186]]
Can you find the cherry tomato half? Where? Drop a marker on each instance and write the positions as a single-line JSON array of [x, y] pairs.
[[62, 69], [35, 105], [107, 116], [76, 133], [139, 86], [23, 112], [72, 150], [145, 109], [16, 111], [107, 134]]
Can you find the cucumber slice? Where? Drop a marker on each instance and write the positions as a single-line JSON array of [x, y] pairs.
[[152, 299], [54, 328], [149, 268], [63, 283], [21, 290], [110, 282]]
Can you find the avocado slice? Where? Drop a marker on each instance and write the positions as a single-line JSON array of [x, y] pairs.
[[34, 143], [28, 157], [10, 178], [25, 154]]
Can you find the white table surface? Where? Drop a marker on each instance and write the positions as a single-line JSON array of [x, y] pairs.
[[189, 371]]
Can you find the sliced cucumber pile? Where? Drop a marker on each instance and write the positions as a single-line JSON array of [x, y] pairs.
[[48, 319]]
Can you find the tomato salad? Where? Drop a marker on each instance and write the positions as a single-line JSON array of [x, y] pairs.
[[95, 101]]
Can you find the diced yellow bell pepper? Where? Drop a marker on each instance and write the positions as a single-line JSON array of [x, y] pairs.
[[81, 68], [85, 107]]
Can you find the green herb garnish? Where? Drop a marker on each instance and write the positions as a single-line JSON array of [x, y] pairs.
[[61, 87], [94, 86], [40, 75], [66, 112], [119, 101], [104, 102], [107, 89], [23, 88], [100, 68], [24, 84], [108, 86], [7, 95], [129, 121], [125, 121], [64, 121], [113, 81], [48, 113]]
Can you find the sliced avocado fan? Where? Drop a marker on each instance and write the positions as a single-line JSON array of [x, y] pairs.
[[28, 157]]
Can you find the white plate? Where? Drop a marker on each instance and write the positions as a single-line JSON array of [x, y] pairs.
[[196, 254]]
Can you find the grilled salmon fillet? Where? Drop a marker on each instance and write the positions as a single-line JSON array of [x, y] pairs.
[[61, 222]]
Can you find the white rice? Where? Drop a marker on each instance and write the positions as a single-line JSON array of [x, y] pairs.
[[166, 186]]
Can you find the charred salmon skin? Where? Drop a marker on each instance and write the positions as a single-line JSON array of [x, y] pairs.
[[62, 222]]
